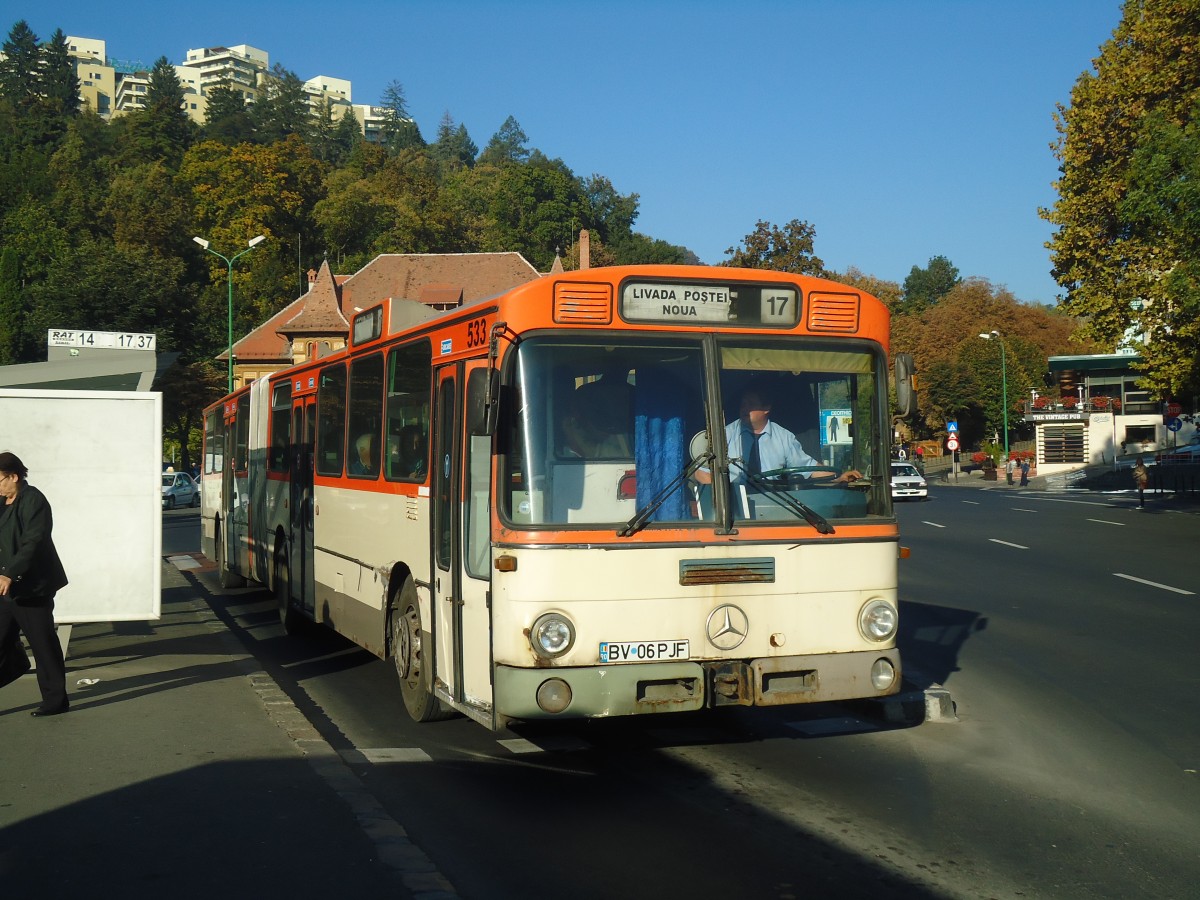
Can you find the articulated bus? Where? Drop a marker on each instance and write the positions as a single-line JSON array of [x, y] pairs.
[[540, 506]]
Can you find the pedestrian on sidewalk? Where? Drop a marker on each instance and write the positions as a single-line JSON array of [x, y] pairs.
[[1009, 468], [1141, 476], [1025, 473], [30, 575]]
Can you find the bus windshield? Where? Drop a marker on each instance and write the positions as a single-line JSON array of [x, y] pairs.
[[601, 429]]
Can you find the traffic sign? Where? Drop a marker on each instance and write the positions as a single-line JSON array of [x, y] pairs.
[[952, 442], [1174, 409], [1174, 423], [952, 427]]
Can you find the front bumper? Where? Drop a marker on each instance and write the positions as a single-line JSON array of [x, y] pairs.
[[637, 688]]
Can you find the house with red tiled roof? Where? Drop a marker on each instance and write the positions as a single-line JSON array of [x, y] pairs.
[[318, 322]]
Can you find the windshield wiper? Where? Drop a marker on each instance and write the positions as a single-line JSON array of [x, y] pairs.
[[639, 521], [788, 502]]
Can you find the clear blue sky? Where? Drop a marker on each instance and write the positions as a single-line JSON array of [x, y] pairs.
[[899, 130]]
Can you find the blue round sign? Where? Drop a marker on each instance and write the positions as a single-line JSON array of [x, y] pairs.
[[1174, 423]]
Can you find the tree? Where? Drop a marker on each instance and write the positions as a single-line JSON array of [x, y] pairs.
[[282, 109], [453, 147], [80, 169], [187, 388], [12, 307], [20, 67], [226, 118], [1163, 204], [347, 135], [399, 131], [162, 130], [1107, 251], [60, 84], [610, 213], [959, 373], [925, 287], [786, 249], [91, 286], [508, 145]]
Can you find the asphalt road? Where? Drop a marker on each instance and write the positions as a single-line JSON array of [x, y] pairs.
[[1060, 625]]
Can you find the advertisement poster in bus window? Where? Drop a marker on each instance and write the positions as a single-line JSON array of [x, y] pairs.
[[835, 426]]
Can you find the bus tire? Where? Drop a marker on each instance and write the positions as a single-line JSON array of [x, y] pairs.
[[289, 617], [410, 661], [225, 578]]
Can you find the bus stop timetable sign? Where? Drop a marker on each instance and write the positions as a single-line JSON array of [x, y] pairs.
[[101, 340]]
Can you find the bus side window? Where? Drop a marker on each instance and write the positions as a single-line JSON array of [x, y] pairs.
[[409, 379], [331, 420], [365, 415]]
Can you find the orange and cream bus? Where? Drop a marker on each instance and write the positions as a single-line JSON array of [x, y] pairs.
[[544, 505]]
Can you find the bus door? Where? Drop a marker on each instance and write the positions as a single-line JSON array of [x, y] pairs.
[[235, 494], [300, 504], [462, 466]]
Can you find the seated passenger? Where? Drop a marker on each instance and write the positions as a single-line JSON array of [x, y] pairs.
[[412, 453], [363, 462], [598, 426]]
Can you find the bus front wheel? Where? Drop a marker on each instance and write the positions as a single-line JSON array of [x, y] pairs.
[[410, 660]]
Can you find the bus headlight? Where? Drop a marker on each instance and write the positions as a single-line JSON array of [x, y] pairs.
[[552, 635], [883, 674], [554, 695], [877, 621]]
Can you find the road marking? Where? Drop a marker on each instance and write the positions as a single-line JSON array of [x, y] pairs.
[[188, 561], [972, 502], [1105, 522], [1022, 509], [934, 524], [550, 744], [1008, 544], [385, 755], [1165, 587]]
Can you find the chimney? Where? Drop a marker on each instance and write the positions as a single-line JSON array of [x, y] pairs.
[[585, 249], [312, 276]]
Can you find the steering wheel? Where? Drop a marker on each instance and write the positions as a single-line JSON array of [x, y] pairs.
[[805, 476]]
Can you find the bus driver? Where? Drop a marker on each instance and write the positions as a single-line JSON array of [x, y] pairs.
[[762, 445]]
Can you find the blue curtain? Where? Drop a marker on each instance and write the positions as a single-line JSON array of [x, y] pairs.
[[659, 445]]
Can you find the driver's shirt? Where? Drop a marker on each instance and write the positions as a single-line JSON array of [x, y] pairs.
[[778, 448]]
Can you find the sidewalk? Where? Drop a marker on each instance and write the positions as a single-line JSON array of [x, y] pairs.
[[1155, 500], [174, 774]]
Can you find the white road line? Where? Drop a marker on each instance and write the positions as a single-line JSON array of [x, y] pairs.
[[385, 755], [1165, 587], [1105, 522], [1008, 544], [1022, 509], [972, 502], [934, 524]]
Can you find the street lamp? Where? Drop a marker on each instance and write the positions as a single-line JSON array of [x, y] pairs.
[[1003, 384], [229, 261]]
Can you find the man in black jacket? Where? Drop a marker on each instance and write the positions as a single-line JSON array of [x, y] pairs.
[[30, 575]]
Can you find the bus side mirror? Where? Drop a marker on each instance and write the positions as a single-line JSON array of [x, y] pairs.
[[906, 388], [483, 407]]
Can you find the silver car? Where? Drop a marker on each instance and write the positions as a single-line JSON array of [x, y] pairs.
[[907, 481], [179, 489]]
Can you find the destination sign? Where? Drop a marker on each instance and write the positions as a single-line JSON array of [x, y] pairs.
[[104, 340], [776, 306]]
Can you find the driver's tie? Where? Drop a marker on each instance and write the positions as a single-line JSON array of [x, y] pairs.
[[753, 465]]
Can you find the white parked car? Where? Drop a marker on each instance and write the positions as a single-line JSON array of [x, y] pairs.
[[907, 481], [179, 489]]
